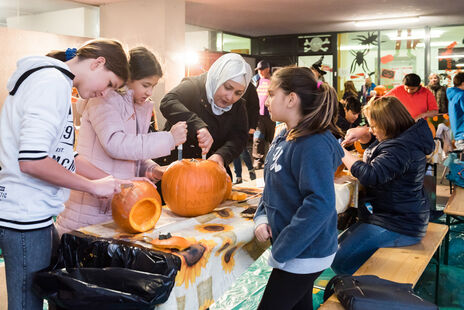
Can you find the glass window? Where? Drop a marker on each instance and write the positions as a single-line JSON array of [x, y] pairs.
[[447, 52], [357, 58], [401, 52], [327, 65], [236, 44]]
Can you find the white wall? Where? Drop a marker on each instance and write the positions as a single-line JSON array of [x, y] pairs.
[[17, 43], [81, 22], [156, 24]]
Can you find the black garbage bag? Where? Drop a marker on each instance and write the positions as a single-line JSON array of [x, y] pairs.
[[91, 273]]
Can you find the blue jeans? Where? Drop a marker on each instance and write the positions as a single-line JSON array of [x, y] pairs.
[[25, 252], [245, 155], [360, 241]]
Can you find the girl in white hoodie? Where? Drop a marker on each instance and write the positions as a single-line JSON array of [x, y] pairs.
[[37, 163]]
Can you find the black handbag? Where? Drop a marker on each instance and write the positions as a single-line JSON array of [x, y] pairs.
[[371, 292]]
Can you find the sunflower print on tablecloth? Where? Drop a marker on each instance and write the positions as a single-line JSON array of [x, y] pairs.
[[193, 260], [213, 228], [227, 259]]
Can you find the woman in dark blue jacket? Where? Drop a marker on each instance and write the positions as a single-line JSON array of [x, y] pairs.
[[396, 212]]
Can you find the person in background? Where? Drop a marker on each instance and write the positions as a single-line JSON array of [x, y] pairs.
[[418, 100], [297, 209], [211, 105], [366, 89], [395, 211], [266, 127], [114, 137], [349, 114], [456, 109], [252, 105], [439, 92], [37, 163], [350, 90]]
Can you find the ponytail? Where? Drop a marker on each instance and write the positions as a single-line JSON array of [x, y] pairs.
[[111, 50], [319, 101]]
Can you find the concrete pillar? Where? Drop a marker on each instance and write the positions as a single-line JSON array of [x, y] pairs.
[[156, 24]]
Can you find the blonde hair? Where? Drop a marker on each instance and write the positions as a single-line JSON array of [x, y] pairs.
[[389, 115]]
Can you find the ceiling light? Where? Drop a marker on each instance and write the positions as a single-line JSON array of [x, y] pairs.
[[384, 22]]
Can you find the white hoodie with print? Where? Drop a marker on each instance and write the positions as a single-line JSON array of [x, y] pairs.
[[35, 123]]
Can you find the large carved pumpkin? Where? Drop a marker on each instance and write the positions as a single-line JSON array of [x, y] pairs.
[[137, 208], [193, 187]]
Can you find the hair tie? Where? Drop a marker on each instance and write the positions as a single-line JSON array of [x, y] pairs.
[[319, 84], [70, 53]]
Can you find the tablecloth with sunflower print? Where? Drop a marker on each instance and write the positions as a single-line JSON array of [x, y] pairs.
[[223, 246]]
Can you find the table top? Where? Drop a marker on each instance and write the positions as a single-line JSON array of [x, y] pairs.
[[455, 205]]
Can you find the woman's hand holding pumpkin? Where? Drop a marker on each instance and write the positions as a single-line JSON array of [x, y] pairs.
[[217, 158], [263, 232], [205, 140], [179, 132]]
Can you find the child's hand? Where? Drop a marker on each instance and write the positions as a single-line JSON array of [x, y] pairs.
[[263, 232], [107, 187], [179, 132], [205, 140]]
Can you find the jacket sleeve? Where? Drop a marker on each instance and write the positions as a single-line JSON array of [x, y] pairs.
[[252, 106], [314, 171], [106, 120], [260, 214], [176, 106], [237, 137], [391, 162]]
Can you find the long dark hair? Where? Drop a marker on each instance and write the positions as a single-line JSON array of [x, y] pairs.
[[111, 50], [319, 102], [143, 63]]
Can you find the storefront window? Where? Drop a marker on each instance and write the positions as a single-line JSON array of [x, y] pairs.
[[402, 52], [327, 65], [236, 44], [357, 58], [447, 52]]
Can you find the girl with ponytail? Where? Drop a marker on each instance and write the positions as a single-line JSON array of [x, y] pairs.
[[297, 210]]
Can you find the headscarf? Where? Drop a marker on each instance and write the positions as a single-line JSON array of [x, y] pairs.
[[227, 67]]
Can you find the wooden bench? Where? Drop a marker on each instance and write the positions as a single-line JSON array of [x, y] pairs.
[[402, 264], [454, 211]]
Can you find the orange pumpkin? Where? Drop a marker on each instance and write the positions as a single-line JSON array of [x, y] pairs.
[[173, 242], [358, 147], [137, 208], [339, 171], [228, 187], [193, 187]]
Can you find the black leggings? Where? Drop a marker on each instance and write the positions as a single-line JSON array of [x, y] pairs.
[[287, 290]]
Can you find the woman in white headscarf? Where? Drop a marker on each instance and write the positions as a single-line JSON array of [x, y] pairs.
[[211, 105]]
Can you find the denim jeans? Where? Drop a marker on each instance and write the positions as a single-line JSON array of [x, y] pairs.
[[245, 155], [360, 241], [25, 252]]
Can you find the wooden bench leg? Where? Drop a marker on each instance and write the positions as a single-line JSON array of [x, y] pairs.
[[447, 237], [437, 275]]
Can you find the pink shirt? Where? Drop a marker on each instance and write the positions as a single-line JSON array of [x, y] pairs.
[[262, 91], [420, 102]]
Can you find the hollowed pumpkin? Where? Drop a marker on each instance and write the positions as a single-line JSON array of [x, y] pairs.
[[193, 187], [137, 208]]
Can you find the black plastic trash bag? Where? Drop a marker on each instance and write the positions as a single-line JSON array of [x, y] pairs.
[[93, 273]]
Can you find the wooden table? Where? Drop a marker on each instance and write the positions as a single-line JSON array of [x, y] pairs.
[[454, 211]]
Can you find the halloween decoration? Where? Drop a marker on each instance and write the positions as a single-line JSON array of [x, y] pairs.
[[359, 60]]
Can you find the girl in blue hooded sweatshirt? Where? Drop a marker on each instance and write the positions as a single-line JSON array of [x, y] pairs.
[[297, 211]]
